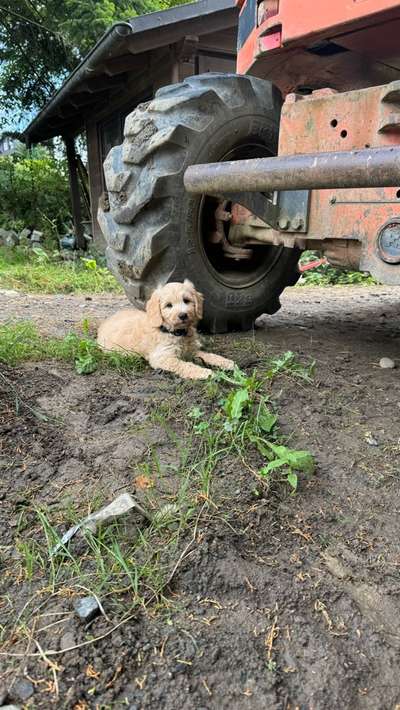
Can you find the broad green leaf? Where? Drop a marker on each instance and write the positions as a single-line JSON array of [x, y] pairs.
[[301, 460], [266, 421], [292, 479], [298, 460], [276, 463], [278, 449], [235, 403]]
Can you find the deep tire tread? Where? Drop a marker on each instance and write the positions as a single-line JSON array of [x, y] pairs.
[[144, 180]]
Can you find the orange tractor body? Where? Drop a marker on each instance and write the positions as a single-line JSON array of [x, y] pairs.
[[337, 64]]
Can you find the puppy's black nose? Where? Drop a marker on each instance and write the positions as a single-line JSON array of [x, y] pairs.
[[183, 316]]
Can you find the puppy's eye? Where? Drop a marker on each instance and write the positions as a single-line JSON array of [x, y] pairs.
[[168, 305], [186, 300]]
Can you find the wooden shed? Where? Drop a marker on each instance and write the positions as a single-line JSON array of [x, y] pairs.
[[126, 67]]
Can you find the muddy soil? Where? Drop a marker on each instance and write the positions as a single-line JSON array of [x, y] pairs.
[[280, 603]]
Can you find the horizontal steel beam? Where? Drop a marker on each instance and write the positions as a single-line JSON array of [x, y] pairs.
[[375, 167]]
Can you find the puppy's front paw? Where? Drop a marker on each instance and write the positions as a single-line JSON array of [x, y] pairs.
[[222, 362], [203, 373], [227, 364]]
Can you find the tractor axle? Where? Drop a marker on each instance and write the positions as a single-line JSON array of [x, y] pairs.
[[373, 167]]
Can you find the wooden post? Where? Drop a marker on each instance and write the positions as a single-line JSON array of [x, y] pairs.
[[75, 193]]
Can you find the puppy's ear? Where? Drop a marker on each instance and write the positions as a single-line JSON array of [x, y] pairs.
[[198, 299], [153, 309]]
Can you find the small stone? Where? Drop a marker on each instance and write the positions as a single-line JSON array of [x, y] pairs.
[[371, 440], [67, 640], [22, 689], [8, 237], [11, 240], [386, 363], [86, 608], [24, 233], [10, 707]]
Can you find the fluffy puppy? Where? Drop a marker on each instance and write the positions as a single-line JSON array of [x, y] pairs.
[[165, 333]]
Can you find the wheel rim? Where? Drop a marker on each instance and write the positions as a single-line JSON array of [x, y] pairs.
[[231, 273]]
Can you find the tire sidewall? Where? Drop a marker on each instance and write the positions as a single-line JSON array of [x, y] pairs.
[[221, 299]]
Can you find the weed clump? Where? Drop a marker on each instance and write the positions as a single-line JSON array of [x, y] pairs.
[[244, 423]]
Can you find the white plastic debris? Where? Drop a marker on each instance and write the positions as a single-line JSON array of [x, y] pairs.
[[386, 363], [36, 236], [121, 505]]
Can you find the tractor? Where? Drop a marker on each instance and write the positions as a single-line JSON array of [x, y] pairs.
[[226, 178]]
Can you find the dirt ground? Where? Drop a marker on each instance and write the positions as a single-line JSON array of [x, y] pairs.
[[277, 603]]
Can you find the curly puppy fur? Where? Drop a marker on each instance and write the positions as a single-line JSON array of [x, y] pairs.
[[165, 334]]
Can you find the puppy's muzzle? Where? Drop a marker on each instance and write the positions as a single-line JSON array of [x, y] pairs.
[[183, 316]]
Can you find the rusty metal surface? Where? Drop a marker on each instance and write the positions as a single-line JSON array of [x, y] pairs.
[[328, 121], [304, 43], [347, 223], [305, 18], [285, 210], [371, 167]]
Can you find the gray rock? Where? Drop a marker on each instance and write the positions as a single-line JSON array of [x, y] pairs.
[[3, 235], [86, 608], [22, 689], [24, 233], [10, 707], [386, 363], [10, 238], [371, 440], [24, 237], [67, 640]]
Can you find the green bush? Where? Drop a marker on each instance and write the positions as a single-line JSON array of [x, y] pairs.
[[34, 192], [39, 271]]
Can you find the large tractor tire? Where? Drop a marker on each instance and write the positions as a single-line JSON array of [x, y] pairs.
[[156, 232]]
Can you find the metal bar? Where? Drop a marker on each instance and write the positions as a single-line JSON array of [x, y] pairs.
[[375, 167], [257, 203]]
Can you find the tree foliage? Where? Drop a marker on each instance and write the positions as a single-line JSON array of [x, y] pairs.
[[34, 191], [41, 41]]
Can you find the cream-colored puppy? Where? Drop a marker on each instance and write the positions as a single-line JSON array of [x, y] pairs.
[[165, 334]]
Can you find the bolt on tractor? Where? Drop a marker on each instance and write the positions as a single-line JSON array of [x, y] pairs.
[[226, 178]]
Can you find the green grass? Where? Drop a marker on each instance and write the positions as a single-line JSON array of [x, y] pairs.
[[39, 272], [245, 424], [21, 342], [120, 561], [327, 275], [128, 565]]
